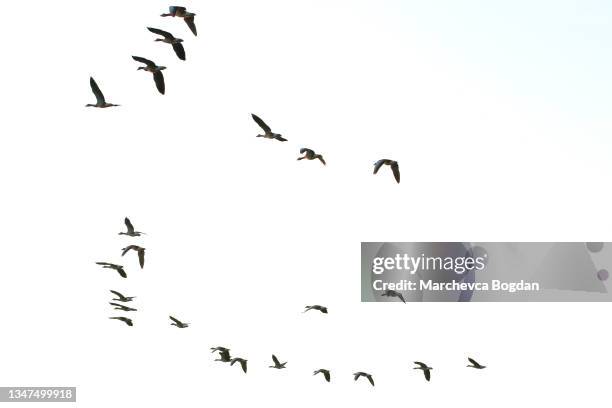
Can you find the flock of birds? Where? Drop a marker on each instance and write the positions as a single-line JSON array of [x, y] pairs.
[[179, 50], [119, 301]]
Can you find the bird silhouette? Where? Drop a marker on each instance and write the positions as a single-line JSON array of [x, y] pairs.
[[366, 375], [140, 250], [325, 373], [156, 70], [219, 349], [125, 320], [277, 364], [475, 364], [310, 154], [242, 361], [425, 368], [392, 293], [121, 298], [170, 39], [188, 17], [178, 323], [130, 229], [268, 134], [116, 267], [321, 309], [224, 356], [123, 308], [394, 167], [100, 101]]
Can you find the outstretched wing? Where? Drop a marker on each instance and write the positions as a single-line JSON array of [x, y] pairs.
[[474, 362], [158, 77], [141, 254], [163, 33], [421, 365], [114, 292], [378, 165], [326, 375], [276, 362], [191, 24], [96, 91], [177, 9], [121, 271], [128, 224], [177, 321], [261, 123], [427, 374], [145, 61], [396, 172], [399, 295], [243, 363], [179, 50], [371, 380], [306, 150]]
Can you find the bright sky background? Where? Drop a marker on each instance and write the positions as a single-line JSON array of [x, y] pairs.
[[498, 113]]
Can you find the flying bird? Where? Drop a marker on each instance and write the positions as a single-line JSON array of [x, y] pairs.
[[178, 323], [475, 364], [170, 39], [425, 368], [125, 320], [156, 70], [325, 373], [321, 309], [219, 349], [242, 362], [123, 308], [177, 11], [140, 250], [118, 268], [121, 298], [130, 229], [394, 167], [366, 375], [224, 357], [310, 154], [100, 101], [392, 293], [277, 364], [268, 134]]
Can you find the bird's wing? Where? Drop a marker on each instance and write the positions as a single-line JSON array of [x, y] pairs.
[[261, 123], [243, 363], [399, 295], [322, 160], [103, 263], [279, 137], [421, 365], [96, 91], [114, 292], [179, 50], [378, 165], [326, 375], [191, 24], [306, 150], [176, 9], [175, 320], [163, 33], [427, 374], [471, 360], [371, 379], [145, 61], [396, 172], [276, 362], [141, 254], [116, 304], [158, 77], [126, 249], [357, 375], [129, 225]]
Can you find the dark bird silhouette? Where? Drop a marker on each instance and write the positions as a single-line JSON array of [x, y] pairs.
[[277, 364], [366, 375], [125, 320], [310, 154], [170, 39], [188, 17], [394, 167], [425, 368], [224, 356], [140, 250], [219, 349], [242, 362], [123, 308], [156, 70], [268, 134], [121, 298], [118, 268], [475, 364], [178, 323], [100, 101], [392, 293], [130, 229], [325, 373], [321, 309]]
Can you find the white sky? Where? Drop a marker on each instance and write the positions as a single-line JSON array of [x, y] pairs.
[[498, 116]]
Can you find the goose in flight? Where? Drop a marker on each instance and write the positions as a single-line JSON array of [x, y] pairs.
[[321, 309], [116, 267], [366, 375], [178, 323], [242, 362], [170, 39], [475, 364], [425, 368], [392, 293], [268, 134], [224, 357], [310, 154], [125, 320], [100, 101], [140, 250], [130, 229], [394, 167], [156, 70], [277, 364], [325, 373], [123, 308], [219, 349], [178, 11], [121, 298]]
